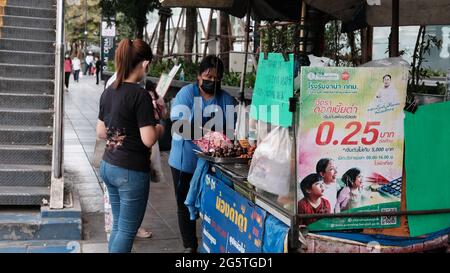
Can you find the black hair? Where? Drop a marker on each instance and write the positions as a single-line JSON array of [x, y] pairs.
[[350, 176], [210, 62], [387, 75], [308, 182], [150, 86], [322, 165], [129, 54]]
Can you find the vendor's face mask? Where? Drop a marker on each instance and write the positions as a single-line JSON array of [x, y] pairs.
[[210, 86], [209, 81]]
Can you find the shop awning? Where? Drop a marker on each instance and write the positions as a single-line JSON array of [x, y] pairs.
[[266, 10], [379, 12]]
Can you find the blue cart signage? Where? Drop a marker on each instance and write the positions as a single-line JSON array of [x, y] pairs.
[[231, 223]]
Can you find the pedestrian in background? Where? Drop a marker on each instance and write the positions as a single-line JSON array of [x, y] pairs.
[[67, 70], [88, 62], [98, 68], [76, 64]]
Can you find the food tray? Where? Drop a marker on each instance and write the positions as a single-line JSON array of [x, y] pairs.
[[224, 160]]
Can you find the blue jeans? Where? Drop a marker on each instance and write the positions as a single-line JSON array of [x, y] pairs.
[[128, 195]]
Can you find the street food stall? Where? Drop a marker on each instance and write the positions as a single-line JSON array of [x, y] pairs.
[[252, 192]]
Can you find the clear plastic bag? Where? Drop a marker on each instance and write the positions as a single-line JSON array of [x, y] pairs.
[[270, 169]]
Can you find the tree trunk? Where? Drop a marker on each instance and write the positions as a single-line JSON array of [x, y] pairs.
[[316, 32], [224, 41], [164, 14], [353, 53], [415, 56], [420, 57], [141, 22], [191, 29]]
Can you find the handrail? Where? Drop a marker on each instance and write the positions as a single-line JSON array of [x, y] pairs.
[[59, 93]]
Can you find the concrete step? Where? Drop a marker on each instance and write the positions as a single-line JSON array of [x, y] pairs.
[[28, 33], [23, 196], [48, 4], [26, 86], [28, 71], [21, 21], [24, 57], [36, 224], [26, 117], [27, 135], [29, 11], [24, 101], [27, 45], [25, 175], [26, 154], [42, 246]]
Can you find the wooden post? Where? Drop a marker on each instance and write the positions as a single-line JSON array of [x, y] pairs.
[[201, 20], [247, 37], [366, 44], [207, 33], [394, 52], [176, 31], [154, 32]]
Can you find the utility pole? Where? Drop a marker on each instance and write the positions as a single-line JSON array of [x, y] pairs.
[[85, 34]]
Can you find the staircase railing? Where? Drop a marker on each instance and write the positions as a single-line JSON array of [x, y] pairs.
[[57, 185]]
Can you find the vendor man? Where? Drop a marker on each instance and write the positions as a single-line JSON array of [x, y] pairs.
[[191, 104]]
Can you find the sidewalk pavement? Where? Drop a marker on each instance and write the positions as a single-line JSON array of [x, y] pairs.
[[81, 110]]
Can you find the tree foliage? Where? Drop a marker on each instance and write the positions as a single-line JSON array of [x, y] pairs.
[[134, 11], [76, 21]]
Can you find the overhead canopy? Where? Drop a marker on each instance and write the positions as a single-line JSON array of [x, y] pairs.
[[265, 10], [379, 12]]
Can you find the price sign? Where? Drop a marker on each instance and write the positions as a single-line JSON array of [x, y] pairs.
[[352, 119]]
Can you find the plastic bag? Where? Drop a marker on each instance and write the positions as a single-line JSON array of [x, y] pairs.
[[270, 169], [156, 173], [241, 123]]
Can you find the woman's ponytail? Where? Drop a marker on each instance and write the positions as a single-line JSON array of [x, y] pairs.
[[128, 55]]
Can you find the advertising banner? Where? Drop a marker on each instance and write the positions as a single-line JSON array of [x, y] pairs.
[[108, 46], [231, 223], [350, 144]]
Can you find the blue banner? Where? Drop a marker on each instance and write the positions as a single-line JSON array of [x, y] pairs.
[[231, 223]]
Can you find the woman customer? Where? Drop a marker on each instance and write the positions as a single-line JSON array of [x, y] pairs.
[[127, 123]]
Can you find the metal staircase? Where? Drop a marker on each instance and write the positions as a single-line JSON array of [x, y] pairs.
[[27, 87]]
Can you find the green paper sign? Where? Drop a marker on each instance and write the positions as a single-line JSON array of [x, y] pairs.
[[273, 88], [427, 161]]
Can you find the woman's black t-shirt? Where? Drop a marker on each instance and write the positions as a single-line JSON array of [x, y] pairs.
[[124, 111]]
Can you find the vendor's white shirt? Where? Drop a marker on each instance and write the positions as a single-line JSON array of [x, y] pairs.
[[330, 193], [76, 63]]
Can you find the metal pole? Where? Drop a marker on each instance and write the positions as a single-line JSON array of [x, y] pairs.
[[395, 28], [85, 28], [57, 183], [59, 86], [247, 37]]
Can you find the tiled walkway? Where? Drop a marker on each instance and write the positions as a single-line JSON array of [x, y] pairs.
[[81, 109]]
